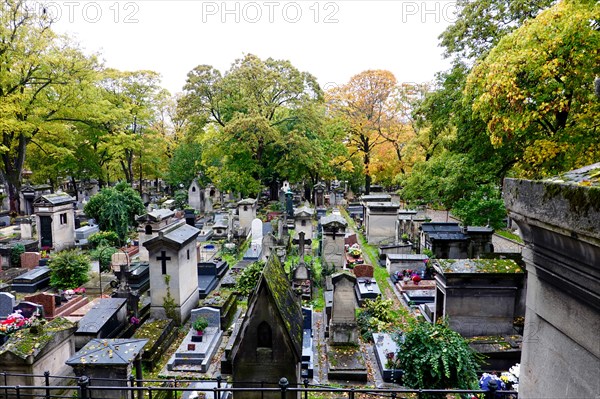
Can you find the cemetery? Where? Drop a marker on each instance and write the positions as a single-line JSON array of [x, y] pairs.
[[258, 231], [177, 277]]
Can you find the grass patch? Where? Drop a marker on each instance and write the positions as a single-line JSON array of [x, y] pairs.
[[510, 236]]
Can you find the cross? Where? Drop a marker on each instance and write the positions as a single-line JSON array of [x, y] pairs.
[[163, 258]]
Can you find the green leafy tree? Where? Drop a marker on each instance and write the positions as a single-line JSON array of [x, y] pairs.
[[535, 90], [39, 72], [15, 255], [185, 164], [482, 207], [433, 356], [69, 269], [246, 118], [115, 208], [103, 239], [103, 254]]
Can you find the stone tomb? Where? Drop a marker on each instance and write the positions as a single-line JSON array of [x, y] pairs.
[[366, 286], [26, 356], [385, 349], [395, 263], [196, 196], [254, 252], [55, 220], [380, 221], [83, 233], [247, 213], [109, 362], [269, 344], [106, 319], [193, 356], [173, 253], [209, 274], [32, 281], [307, 344], [478, 296], [343, 327]]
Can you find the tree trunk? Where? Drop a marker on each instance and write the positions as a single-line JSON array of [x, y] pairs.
[[366, 161]]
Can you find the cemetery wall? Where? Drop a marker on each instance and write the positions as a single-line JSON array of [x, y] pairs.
[[560, 224]]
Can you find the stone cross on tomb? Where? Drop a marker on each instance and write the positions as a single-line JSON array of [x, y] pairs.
[[163, 258], [301, 241]]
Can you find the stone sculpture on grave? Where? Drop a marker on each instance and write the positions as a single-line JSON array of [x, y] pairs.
[[55, 218], [173, 271]]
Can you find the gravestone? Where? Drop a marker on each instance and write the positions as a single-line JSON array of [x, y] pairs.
[[255, 250], [307, 344], [30, 260], [343, 329], [366, 288], [7, 304], [332, 245], [193, 355], [363, 271], [82, 234]]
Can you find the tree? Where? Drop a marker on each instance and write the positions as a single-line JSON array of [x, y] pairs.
[[535, 90], [69, 269], [367, 103], [433, 356], [38, 71], [115, 208], [482, 207], [245, 118], [185, 164], [480, 25]]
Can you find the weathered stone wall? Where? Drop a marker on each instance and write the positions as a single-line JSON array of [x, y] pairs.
[[560, 224]]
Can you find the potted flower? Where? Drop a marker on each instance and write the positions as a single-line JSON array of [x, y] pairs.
[[355, 251], [199, 325]]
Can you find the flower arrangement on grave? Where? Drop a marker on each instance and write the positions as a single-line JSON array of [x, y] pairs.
[[14, 322], [390, 362], [355, 251], [200, 325], [415, 278]]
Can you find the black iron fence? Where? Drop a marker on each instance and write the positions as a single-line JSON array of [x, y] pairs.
[[86, 388]]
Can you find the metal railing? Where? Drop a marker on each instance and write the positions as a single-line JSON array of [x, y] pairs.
[[85, 388]]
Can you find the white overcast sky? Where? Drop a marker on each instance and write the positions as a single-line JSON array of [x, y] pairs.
[[333, 40]]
